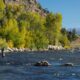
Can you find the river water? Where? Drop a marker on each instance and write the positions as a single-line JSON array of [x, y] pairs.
[[19, 66]]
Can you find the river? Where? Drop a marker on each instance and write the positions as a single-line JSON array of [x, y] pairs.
[[20, 66]]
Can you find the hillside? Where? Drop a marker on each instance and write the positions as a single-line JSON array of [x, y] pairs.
[[25, 24], [30, 5], [76, 43]]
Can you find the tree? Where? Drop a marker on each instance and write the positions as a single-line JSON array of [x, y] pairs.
[[10, 30], [38, 30], [64, 40], [2, 9], [64, 31], [53, 26], [3, 43], [72, 35]]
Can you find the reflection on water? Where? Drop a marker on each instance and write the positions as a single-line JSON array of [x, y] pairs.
[[19, 66]]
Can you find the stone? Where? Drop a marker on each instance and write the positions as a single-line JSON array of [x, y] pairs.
[[42, 63], [68, 64]]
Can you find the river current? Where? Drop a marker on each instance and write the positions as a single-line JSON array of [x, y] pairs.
[[20, 65]]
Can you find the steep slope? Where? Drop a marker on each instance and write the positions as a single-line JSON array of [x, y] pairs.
[[30, 5]]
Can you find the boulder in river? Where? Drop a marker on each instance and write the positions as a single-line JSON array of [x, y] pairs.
[[42, 63], [68, 64]]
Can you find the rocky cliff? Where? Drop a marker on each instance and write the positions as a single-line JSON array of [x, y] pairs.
[[30, 5]]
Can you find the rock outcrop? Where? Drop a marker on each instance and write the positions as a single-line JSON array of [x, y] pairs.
[[30, 5]]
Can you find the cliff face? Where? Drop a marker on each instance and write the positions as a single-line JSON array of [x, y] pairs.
[[30, 5], [21, 1]]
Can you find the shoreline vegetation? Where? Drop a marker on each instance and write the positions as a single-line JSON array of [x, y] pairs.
[[22, 29]]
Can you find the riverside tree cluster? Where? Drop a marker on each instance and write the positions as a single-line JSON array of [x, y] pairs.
[[24, 29]]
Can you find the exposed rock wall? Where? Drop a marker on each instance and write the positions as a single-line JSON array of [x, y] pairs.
[[30, 5]]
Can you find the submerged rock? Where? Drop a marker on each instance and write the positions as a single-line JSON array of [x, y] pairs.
[[42, 63], [68, 64]]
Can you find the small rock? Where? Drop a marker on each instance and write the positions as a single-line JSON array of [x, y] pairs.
[[68, 64]]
